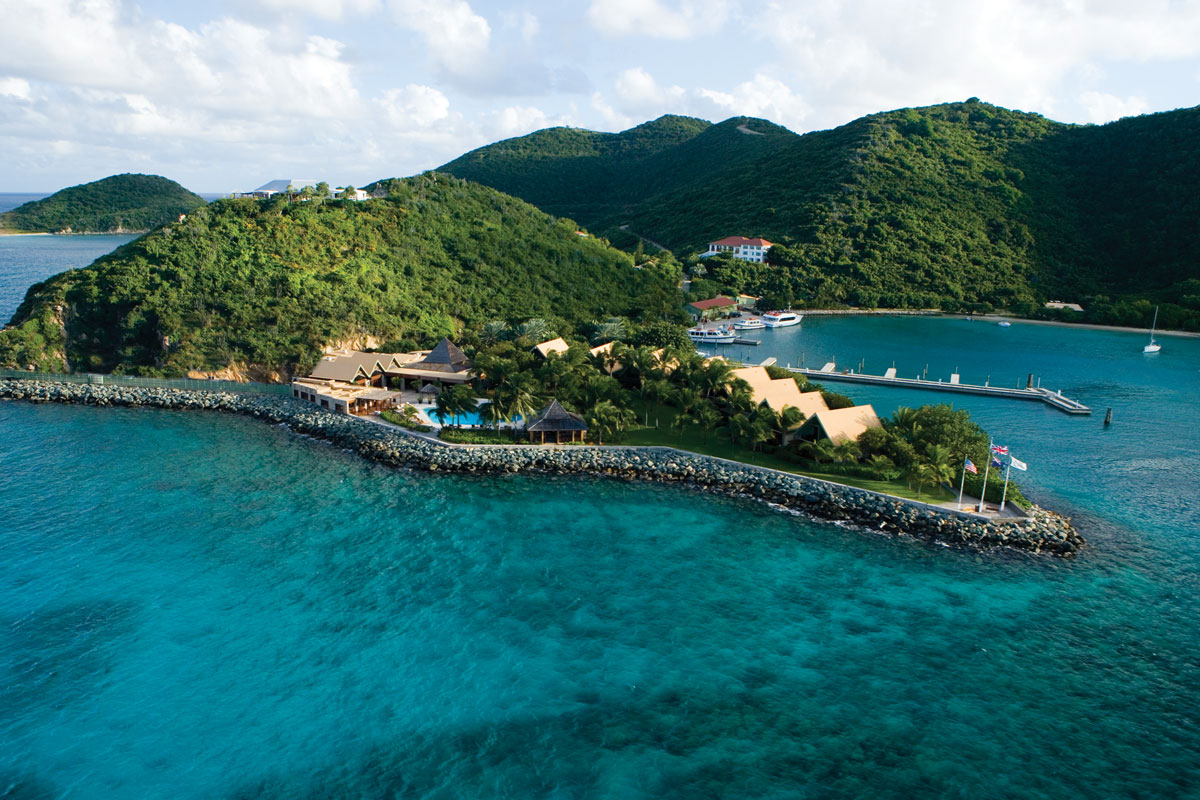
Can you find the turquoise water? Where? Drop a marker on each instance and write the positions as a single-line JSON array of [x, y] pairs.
[[203, 606], [25, 260], [471, 419], [197, 606]]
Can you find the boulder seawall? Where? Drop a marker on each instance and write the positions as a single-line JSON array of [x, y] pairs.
[[1041, 532]]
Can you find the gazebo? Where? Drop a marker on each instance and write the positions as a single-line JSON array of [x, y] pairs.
[[429, 390], [555, 424]]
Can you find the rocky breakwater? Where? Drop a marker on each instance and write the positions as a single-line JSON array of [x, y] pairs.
[[1042, 532]]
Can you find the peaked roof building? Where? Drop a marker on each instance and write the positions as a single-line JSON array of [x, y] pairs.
[[556, 422]]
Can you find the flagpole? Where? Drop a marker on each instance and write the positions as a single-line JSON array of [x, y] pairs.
[[987, 466], [1004, 494], [962, 483]]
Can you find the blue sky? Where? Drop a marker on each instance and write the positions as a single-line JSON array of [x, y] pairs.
[[224, 96]]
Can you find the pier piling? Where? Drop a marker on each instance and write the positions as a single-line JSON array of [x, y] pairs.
[[1108, 418]]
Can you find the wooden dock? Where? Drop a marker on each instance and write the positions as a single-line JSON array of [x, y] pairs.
[[1054, 399]]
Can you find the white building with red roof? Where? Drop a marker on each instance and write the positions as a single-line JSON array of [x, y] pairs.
[[740, 247]]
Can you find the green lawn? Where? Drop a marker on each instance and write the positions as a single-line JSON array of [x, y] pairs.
[[716, 443]]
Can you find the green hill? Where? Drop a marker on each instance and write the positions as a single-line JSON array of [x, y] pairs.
[[117, 204], [962, 205], [269, 283]]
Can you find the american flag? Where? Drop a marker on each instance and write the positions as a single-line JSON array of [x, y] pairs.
[[999, 449], [969, 467]]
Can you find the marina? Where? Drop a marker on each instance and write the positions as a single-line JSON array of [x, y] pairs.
[[1030, 392]]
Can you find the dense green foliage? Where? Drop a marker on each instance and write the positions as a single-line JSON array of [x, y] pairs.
[[117, 203], [270, 283], [963, 206]]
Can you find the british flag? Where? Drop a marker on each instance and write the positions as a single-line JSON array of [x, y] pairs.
[[999, 449]]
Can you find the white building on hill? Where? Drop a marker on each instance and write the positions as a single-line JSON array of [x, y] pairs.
[[740, 247]]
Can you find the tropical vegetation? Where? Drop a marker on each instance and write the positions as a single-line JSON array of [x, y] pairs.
[[273, 282], [962, 206]]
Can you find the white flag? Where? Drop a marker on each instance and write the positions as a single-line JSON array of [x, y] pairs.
[[1018, 464]]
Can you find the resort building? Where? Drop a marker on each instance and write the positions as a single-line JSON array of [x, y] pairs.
[[1059, 304], [747, 302], [555, 424], [781, 393], [713, 308], [558, 345], [344, 398], [340, 381], [841, 424], [740, 247]]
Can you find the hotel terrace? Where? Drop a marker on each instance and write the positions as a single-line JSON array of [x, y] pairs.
[[354, 382]]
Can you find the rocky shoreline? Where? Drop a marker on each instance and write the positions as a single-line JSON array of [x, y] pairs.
[[1042, 532]]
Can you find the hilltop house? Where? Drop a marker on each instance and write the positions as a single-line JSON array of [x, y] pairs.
[[711, 309], [278, 186], [740, 247]]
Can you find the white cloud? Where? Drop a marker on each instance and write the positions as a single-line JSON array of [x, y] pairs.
[[457, 37], [613, 119], [657, 19], [1101, 107], [17, 88], [764, 96], [325, 9], [874, 55], [414, 106], [637, 90], [520, 120]]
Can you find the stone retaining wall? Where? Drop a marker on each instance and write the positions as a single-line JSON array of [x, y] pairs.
[[1042, 532]]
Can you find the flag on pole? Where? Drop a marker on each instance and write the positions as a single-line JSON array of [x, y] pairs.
[[1000, 450], [996, 462], [1018, 464], [971, 468]]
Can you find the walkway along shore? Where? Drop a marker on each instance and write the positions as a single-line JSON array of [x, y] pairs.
[[1041, 532]]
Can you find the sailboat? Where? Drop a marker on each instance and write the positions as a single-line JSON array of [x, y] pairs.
[[1154, 346]]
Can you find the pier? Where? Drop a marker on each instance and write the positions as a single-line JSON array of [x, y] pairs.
[[1036, 393]]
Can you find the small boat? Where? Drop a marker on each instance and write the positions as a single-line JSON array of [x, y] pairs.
[[712, 335], [1004, 323], [1154, 346], [781, 319], [749, 324]]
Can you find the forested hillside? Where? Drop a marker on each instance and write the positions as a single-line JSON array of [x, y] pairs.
[[961, 206], [270, 283], [126, 203]]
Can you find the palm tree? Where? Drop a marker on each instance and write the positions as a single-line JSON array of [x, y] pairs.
[[920, 475], [611, 330], [847, 451], [880, 463], [707, 417], [493, 331], [820, 451], [535, 329], [686, 399], [941, 460], [654, 391], [905, 421], [607, 418], [788, 419], [714, 377]]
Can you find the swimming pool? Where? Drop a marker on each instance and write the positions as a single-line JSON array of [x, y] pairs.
[[471, 419]]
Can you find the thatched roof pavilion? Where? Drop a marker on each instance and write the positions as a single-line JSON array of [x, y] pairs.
[[554, 423]]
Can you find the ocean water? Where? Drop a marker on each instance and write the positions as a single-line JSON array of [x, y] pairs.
[[198, 606], [26, 260]]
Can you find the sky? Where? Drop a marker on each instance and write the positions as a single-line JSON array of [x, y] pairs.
[[224, 96]]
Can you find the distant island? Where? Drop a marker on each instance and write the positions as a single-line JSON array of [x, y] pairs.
[[965, 207], [128, 203]]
